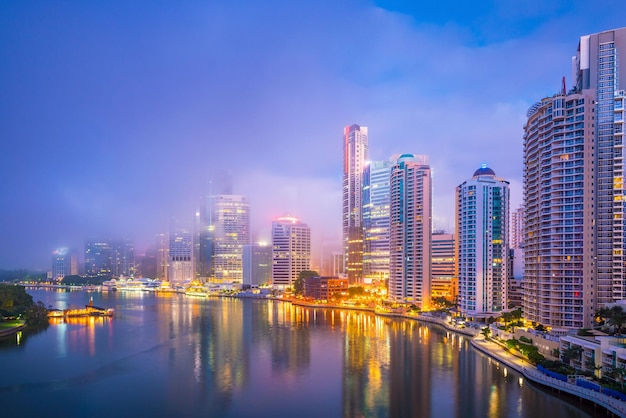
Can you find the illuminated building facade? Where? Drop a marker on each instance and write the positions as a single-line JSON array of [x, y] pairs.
[[482, 214], [375, 215], [162, 257], [291, 250], [227, 230], [323, 288], [180, 255], [443, 266], [410, 231], [123, 258], [257, 264], [98, 258], [64, 263], [355, 154]]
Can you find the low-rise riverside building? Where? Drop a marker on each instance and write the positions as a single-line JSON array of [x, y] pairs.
[[594, 353], [323, 288]]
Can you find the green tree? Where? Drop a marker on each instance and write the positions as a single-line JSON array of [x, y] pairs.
[[37, 315], [298, 284], [617, 318], [486, 331], [571, 353], [356, 291], [14, 300]]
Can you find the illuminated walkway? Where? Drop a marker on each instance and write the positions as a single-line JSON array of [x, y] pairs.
[[496, 351]]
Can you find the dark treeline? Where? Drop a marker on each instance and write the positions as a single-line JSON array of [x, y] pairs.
[[17, 275]]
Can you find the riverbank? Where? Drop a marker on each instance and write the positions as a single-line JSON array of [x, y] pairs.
[[8, 331], [499, 353], [530, 372]]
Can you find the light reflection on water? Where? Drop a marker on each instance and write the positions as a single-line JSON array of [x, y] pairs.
[[169, 355]]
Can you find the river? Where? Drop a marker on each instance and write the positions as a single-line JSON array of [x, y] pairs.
[[179, 356]]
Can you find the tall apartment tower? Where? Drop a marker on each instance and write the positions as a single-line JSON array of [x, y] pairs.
[[482, 217], [375, 216], [226, 231], [410, 217], [573, 190], [517, 228], [600, 65], [291, 250], [355, 154]]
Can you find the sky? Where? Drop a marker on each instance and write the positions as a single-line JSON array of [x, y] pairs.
[[114, 116]]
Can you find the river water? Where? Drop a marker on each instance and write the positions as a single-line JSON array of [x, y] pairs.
[[179, 356]]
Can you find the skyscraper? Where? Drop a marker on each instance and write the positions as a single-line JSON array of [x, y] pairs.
[[225, 230], [410, 231], [257, 264], [180, 254], [600, 65], [355, 154], [573, 187], [123, 258], [375, 215], [517, 228], [482, 216], [64, 263], [291, 250], [98, 258]]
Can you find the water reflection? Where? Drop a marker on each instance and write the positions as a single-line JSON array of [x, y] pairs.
[[240, 358]]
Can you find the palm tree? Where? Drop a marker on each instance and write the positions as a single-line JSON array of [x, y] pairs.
[[617, 318], [486, 331], [573, 352]]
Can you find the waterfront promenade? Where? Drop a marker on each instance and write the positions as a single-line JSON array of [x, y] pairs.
[[500, 354], [530, 372]]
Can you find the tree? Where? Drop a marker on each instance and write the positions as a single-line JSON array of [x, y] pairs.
[[601, 315], [617, 318], [14, 300], [486, 331], [37, 315], [298, 284], [573, 352]]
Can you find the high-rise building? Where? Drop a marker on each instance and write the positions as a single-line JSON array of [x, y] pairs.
[[257, 264], [180, 254], [291, 250], [64, 263], [98, 258], [517, 228], [146, 265], [443, 266], [225, 230], [574, 193], [410, 231], [355, 155], [123, 258], [600, 65], [482, 216], [162, 257], [559, 189], [375, 216]]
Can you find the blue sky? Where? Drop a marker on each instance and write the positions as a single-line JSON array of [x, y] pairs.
[[115, 115]]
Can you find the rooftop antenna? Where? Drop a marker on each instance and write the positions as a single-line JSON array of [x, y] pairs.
[[563, 90]]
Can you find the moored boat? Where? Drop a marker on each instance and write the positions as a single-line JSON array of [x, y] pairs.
[[88, 310]]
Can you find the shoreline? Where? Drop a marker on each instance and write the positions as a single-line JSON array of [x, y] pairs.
[[12, 331], [497, 353]]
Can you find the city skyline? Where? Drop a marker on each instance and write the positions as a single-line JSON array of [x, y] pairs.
[[117, 114]]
